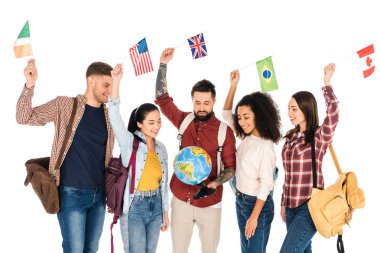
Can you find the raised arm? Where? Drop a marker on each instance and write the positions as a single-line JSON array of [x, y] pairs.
[[329, 71], [117, 74], [122, 135], [161, 85], [25, 113], [227, 108], [332, 111], [234, 80]]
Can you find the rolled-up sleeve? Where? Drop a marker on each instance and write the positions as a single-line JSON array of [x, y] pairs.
[[229, 150]]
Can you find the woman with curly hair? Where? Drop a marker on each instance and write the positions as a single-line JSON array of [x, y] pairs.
[[256, 122]]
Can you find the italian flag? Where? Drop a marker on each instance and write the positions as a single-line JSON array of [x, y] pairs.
[[22, 45]]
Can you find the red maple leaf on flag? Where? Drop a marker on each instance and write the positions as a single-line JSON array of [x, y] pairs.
[[368, 61]]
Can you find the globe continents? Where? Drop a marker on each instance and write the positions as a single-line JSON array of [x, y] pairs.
[[192, 165]]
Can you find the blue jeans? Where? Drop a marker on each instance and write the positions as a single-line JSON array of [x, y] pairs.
[[244, 207], [300, 228], [144, 223], [81, 219]]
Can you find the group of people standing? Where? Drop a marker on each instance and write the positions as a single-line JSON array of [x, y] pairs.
[[255, 121]]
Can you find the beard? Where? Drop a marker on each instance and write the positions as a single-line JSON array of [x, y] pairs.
[[203, 117]]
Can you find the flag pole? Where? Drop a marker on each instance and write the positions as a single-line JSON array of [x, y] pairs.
[[124, 59], [247, 66], [344, 58], [180, 45], [251, 64]]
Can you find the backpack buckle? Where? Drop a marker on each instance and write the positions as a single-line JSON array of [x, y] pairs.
[[220, 148]]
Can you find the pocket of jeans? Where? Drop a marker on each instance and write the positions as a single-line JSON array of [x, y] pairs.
[[249, 200], [136, 201], [68, 193], [271, 204]]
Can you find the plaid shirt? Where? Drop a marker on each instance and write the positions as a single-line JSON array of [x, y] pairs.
[[296, 156], [58, 111]]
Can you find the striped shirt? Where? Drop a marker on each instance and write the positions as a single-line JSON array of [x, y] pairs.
[[58, 111], [296, 156]]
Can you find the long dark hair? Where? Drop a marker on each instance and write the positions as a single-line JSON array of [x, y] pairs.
[[267, 117], [139, 114], [308, 105]]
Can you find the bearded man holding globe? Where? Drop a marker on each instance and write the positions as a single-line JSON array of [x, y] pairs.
[[191, 203]]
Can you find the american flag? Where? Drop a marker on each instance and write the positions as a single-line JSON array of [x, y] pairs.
[[140, 58], [198, 46]]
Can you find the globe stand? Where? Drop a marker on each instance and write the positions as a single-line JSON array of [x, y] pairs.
[[204, 191]]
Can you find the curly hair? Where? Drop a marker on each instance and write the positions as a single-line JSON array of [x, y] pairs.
[[267, 116]]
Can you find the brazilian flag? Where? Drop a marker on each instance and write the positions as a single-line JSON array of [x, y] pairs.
[[268, 80]]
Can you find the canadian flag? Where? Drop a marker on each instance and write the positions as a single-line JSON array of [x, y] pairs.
[[366, 53]]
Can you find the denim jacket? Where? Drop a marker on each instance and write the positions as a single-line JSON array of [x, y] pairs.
[[125, 140]]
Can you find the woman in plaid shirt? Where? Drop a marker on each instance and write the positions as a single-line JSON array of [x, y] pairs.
[[297, 162]]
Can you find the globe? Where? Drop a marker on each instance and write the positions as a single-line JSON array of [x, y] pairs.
[[192, 165]]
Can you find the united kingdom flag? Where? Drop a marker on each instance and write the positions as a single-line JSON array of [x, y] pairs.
[[198, 46]]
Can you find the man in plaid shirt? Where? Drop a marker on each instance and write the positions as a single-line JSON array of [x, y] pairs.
[[80, 176]]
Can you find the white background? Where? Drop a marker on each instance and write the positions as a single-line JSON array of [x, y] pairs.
[[302, 37]]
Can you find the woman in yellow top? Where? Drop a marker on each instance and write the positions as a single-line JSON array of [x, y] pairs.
[[145, 208]]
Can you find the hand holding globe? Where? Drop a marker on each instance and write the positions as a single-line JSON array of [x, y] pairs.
[[192, 165]]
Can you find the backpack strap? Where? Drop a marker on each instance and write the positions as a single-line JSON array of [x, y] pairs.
[[67, 135], [313, 163], [339, 244], [114, 221], [221, 138], [132, 163], [185, 123]]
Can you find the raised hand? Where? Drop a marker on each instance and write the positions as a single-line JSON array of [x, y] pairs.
[[167, 55], [234, 77], [234, 80], [117, 73], [30, 73], [329, 70]]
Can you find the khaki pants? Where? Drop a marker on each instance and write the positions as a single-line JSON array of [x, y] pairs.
[[183, 217]]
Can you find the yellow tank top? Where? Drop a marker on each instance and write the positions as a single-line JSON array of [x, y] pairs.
[[152, 173]]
